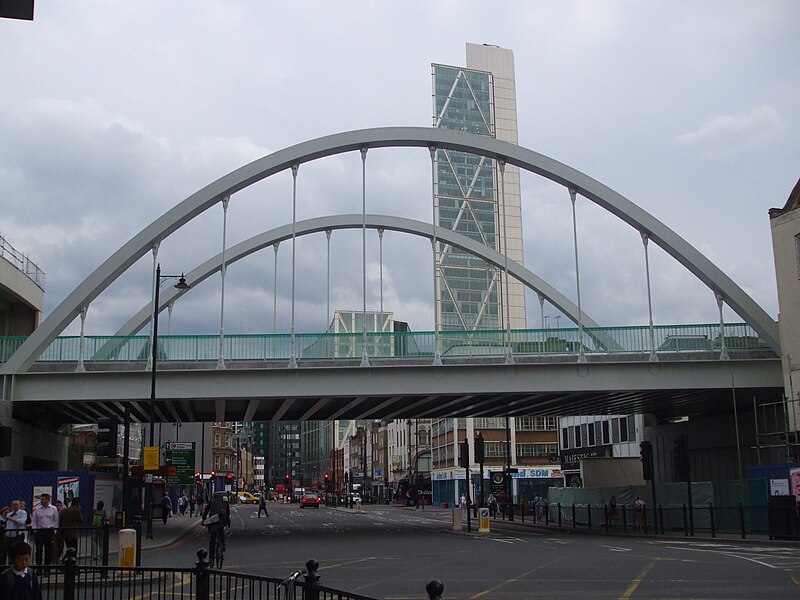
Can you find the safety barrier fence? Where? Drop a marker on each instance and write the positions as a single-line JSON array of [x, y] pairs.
[[566, 342], [774, 522], [21, 262]]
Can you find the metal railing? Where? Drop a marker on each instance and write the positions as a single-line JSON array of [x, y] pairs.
[[565, 342], [71, 580], [21, 262], [774, 522]]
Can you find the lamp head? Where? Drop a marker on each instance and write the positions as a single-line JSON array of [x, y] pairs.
[[182, 285]]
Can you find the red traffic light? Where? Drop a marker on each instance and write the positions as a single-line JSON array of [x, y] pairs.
[[326, 476], [287, 477], [230, 475], [213, 473]]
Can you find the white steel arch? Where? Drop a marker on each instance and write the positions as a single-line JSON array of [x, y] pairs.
[[355, 221], [350, 141]]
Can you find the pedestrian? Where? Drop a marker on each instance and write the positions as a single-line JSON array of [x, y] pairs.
[[613, 515], [262, 505], [201, 499], [638, 513], [183, 502], [15, 525], [44, 523], [492, 502], [19, 582], [166, 507], [99, 519], [192, 504], [462, 502], [70, 520]]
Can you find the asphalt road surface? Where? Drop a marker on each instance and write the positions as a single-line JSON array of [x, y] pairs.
[[391, 553]]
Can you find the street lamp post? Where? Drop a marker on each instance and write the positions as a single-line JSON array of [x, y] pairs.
[[181, 285]]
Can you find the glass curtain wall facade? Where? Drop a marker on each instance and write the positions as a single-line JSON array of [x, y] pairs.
[[468, 198]]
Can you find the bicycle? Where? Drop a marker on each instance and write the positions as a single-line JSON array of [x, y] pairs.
[[217, 556], [288, 586]]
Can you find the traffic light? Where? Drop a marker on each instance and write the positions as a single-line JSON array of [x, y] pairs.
[[646, 456], [680, 457], [229, 477], [213, 473], [463, 454], [107, 433], [327, 481], [198, 478], [479, 448]]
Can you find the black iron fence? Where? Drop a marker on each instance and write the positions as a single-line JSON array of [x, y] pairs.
[[84, 574], [774, 522], [72, 580]]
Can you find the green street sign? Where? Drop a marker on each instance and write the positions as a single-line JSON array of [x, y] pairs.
[[180, 455]]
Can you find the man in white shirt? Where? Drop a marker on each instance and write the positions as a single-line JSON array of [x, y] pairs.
[[15, 524], [44, 523]]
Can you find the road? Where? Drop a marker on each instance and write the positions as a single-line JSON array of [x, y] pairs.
[[391, 553]]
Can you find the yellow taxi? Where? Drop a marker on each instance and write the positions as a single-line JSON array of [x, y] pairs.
[[247, 498]]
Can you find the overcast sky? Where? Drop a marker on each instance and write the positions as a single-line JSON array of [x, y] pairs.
[[113, 112]]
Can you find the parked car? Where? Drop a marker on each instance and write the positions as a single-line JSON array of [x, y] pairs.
[[310, 499], [247, 498]]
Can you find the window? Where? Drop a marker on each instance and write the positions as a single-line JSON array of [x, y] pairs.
[[536, 450], [797, 252], [623, 429], [606, 436], [591, 433], [531, 423], [615, 431], [494, 449], [577, 435], [564, 439]]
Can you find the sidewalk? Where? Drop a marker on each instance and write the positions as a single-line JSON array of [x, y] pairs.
[[177, 528]]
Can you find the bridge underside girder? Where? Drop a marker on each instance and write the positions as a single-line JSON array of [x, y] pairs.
[[666, 389]]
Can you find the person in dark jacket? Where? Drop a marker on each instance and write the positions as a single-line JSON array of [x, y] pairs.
[[18, 582], [69, 521]]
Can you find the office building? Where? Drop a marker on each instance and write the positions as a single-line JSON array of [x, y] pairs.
[[473, 197]]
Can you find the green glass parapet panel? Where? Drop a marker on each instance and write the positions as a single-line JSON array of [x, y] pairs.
[[406, 344]]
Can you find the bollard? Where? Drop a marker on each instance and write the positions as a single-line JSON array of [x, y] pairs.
[[203, 588], [311, 580], [483, 522], [456, 519], [435, 589], [126, 544]]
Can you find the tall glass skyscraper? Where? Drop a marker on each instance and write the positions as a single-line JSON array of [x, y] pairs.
[[470, 196]]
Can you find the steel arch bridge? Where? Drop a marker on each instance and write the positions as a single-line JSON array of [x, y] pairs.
[[432, 138], [391, 389]]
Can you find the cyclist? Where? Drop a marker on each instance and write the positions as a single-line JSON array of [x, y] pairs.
[[222, 510]]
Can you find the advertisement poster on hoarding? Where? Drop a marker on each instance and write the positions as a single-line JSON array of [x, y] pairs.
[[794, 483], [38, 490], [68, 488], [110, 492]]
